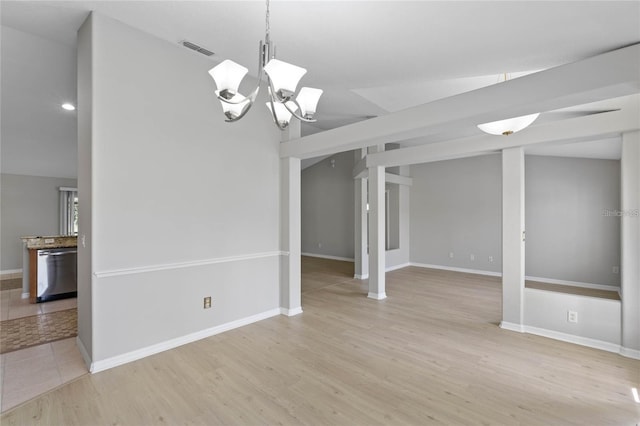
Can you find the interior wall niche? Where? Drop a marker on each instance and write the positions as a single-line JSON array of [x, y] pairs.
[[569, 234], [392, 211]]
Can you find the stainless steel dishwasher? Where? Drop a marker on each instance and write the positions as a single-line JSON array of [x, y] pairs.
[[57, 273]]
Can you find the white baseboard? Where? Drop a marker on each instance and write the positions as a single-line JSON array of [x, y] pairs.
[[326, 256], [572, 338], [395, 267], [377, 296], [512, 326], [24, 295], [387, 269], [117, 360], [290, 312], [573, 283], [629, 353], [456, 269], [527, 278]]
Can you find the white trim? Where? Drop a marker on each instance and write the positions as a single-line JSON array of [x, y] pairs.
[[361, 277], [512, 326], [290, 312], [395, 267], [65, 188], [25, 295], [604, 300], [570, 338], [573, 283], [84, 353], [125, 358], [191, 264], [456, 269], [527, 278], [377, 296], [629, 353], [326, 256]]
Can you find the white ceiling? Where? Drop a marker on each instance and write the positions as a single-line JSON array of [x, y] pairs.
[[370, 57]]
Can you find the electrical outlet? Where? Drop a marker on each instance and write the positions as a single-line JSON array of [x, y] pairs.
[[572, 316], [616, 269], [450, 255], [207, 302], [490, 259], [472, 257]]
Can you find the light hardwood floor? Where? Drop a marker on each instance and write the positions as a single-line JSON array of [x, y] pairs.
[[431, 353]]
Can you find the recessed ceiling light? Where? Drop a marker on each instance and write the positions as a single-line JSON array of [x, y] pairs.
[[68, 107]]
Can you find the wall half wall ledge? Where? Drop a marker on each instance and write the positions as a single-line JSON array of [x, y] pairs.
[[190, 264]]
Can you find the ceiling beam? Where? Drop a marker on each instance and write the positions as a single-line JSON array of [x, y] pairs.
[[604, 124], [609, 75]]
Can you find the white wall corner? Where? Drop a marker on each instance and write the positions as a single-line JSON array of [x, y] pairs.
[[377, 296], [361, 276], [85, 355], [290, 312], [630, 353], [512, 327]]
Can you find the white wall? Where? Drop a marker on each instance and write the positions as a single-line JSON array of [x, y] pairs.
[[598, 319], [568, 237], [456, 208], [184, 205], [29, 205], [327, 206]]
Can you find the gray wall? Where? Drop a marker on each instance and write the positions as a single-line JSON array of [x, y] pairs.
[[456, 208], [30, 205], [176, 192], [327, 207], [568, 237]]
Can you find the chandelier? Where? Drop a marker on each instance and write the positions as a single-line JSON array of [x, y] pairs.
[[282, 81], [510, 125]]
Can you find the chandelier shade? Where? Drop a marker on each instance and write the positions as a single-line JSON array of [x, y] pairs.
[[508, 126], [307, 100], [228, 76], [237, 106], [282, 81], [284, 77], [283, 113]]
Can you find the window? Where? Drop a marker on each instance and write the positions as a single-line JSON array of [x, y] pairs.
[[68, 211]]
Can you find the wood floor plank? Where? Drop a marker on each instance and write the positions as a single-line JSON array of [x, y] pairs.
[[431, 353]]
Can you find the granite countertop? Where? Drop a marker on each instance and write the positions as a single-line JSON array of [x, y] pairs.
[[54, 241]]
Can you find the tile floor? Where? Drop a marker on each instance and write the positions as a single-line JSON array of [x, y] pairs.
[[27, 373]]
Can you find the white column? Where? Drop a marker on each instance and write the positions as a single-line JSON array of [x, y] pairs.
[[512, 239], [361, 240], [290, 228], [630, 244], [376, 233]]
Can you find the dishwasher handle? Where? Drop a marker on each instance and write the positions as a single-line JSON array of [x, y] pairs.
[[56, 253]]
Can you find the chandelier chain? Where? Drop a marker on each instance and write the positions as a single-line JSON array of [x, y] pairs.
[[267, 26]]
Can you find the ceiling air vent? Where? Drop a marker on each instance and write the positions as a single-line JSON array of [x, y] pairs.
[[197, 48]]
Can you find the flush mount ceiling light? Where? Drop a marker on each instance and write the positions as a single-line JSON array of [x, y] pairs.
[[282, 81], [68, 106], [510, 125]]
